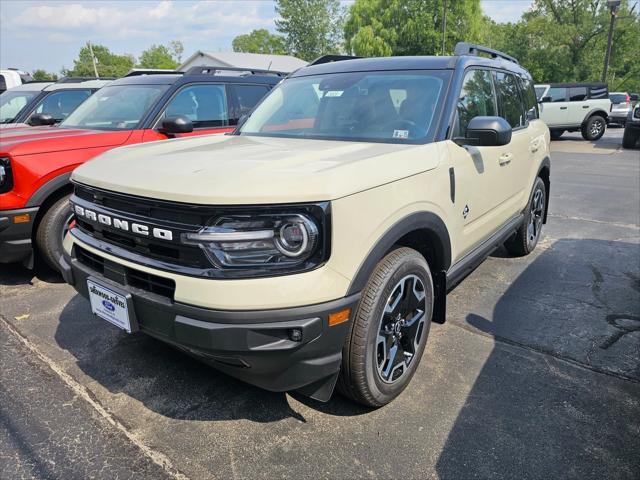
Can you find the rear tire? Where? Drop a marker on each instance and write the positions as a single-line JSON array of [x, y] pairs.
[[389, 331], [526, 238], [51, 231], [630, 138], [594, 128]]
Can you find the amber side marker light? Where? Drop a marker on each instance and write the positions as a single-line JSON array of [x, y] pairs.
[[24, 218], [339, 317]]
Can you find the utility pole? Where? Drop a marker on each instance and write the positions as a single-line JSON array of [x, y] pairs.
[[93, 60], [613, 7], [444, 24]]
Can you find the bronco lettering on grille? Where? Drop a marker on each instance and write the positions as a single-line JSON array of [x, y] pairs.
[[121, 224]]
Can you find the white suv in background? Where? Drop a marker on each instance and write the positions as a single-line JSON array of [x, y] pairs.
[[572, 107]]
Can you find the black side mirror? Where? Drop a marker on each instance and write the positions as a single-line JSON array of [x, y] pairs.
[[545, 99], [175, 125], [42, 119], [486, 132]]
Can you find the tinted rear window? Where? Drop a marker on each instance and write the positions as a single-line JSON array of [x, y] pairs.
[[618, 98]]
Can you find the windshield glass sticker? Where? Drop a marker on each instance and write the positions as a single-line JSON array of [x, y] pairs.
[[402, 134]]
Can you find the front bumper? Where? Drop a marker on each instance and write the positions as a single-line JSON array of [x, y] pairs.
[[252, 345], [15, 238]]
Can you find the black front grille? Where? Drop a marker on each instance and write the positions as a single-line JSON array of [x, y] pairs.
[[124, 275]]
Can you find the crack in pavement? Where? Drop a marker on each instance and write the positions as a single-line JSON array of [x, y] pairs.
[[546, 352], [81, 391], [592, 220]]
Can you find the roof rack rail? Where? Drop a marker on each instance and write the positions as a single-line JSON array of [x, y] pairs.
[[81, 79], [211, 70], [136, 72], [331, 58], [464, 48]]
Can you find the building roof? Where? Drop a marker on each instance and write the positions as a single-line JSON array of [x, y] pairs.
[[281, 63]]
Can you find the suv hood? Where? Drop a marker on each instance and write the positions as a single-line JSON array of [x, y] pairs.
[[254, 170], [33, 140]]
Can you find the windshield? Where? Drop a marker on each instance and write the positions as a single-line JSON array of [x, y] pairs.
[[120, 107], [540, 91], [393, 107], [11, 103]]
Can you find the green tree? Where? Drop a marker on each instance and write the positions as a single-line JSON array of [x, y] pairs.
[[177, 49], [311, 28], [560, 41], [411, 27], [44, 76], [108, 64], [259, 41], [157, 56]]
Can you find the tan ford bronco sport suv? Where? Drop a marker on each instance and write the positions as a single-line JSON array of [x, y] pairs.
[[315, 245]]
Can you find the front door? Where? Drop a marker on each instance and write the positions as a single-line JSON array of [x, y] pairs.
[[480, 171], [556, 111]]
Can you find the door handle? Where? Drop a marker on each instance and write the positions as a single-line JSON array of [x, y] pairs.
[[563, 108], [505, 159], [585, 106]]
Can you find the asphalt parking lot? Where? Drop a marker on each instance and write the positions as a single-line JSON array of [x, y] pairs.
[[536, 373]]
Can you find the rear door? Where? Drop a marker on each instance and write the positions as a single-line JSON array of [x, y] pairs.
[[556, 112]]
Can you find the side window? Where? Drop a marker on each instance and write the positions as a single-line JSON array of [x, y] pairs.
[[248, 96], [3, 84], [477, 98], [577, 94], [205, 105], [530, 98], [598, 92], [509, 101], [60, 104], [557, 94]]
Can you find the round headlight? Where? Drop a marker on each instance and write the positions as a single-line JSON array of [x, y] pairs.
[[296, 236]]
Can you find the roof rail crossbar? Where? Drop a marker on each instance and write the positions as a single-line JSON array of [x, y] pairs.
[[152, 71], [464, 48], [211, 70], [331, 58], [81, 79]]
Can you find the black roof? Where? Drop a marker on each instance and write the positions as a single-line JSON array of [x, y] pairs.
[[408, 63]]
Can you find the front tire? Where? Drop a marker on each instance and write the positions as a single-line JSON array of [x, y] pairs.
[[526, 238], [52, 229], [594, 128], [389, 331], [630, 138]]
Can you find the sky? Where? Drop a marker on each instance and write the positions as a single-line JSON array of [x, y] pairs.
[[48, 34]]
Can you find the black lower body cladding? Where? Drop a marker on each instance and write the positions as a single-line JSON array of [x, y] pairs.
[[258, 347], [15, 237]]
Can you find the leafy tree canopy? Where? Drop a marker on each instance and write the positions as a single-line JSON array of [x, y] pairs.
[[157, 56], [44, 76], [311, 28], [108, 64], [410, 27], [560, 41], [259, 41]]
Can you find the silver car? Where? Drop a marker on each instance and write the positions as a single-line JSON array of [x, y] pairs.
[[620, 107]]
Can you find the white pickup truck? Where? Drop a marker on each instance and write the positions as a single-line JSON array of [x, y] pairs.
[[12, 77]]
